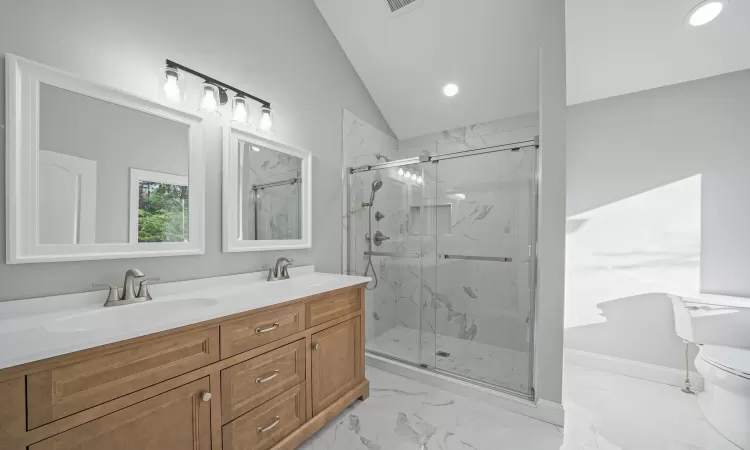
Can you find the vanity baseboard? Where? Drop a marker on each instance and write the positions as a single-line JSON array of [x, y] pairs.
[[69, 401]]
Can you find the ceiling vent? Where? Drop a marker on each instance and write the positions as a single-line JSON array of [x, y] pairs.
[[400, 7]]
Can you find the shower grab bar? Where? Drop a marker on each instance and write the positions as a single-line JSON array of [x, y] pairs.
[[394, 254], [477, 258]]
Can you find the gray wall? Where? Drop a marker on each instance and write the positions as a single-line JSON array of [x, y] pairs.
[[623, 147], [124, 45]]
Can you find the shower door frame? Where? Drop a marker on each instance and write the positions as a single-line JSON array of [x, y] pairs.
[[533, 253]]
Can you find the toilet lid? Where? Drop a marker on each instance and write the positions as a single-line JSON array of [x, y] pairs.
[[734, 359]]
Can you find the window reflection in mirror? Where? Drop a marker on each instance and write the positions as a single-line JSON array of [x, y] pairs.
[[270, 184], [89, 150], [162, 212]]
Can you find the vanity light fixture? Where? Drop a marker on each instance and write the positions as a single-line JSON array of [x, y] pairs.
[[401, 171], [240, 113], [407, 174], [171, 86], [266, 119], [214, 94], [210, 99]]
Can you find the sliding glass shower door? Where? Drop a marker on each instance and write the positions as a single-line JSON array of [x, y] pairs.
[[451, 242], [485, 206]]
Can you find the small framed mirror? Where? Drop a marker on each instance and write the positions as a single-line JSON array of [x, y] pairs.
[[97, 173], [266, 194]]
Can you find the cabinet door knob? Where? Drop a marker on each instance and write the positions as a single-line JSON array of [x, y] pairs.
[[316, 346], [206, 396]]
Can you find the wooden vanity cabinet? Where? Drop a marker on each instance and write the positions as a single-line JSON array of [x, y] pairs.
[[262, 380]]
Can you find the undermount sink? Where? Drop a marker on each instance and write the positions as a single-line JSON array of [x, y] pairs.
[[115, 316]]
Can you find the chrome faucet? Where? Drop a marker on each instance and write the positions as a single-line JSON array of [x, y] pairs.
[[129, 295], [280, 271], [128, 287]]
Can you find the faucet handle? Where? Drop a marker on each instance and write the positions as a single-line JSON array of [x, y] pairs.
[[114, 294], [143, 288], [285, 269]]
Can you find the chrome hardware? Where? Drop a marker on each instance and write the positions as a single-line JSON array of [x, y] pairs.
[[267, 329], [392, 254], [143, 288], [477, 258], [114, 292], [316, 346], [128, 287], [275, 422], [379, 216], [280, 271], [378, 238], [206, 396], [268, 378]]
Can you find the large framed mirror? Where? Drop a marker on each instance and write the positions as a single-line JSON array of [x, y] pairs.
[[266, 194], [97, 173]]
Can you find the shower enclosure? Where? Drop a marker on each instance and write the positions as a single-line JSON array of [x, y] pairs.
[[450, 239]]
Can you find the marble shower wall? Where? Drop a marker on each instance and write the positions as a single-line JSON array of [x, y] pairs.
[[361, 141]]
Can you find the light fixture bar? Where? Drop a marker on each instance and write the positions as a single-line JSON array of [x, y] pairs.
[[174, 65]]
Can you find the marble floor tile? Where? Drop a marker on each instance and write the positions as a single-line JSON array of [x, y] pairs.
[[603, 411], [489, 363]]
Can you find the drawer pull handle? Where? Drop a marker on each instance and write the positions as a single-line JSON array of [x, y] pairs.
[[275, 422], [268, 378], [267, 329]]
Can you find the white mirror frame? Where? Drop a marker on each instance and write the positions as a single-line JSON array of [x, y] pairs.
[[23, 78], [230, 188]]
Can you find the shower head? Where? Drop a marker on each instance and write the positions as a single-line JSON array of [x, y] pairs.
[[376, 185], [380, 156]]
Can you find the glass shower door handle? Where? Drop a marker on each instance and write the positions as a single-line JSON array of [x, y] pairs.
[[477, 258]]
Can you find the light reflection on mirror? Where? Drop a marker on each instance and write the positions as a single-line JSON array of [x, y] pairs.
[[270, 184]]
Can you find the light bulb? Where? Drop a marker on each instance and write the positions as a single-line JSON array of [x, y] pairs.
[[419, 180], [171, 88], [209, 99], [705, 12], [414, 177], [239, 105], [266, 119], [401, 171], [450, 90], [255, 149], [407, 174]]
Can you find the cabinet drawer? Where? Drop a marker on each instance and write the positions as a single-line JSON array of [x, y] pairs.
[[332, 305], [259, 329], [176, 419], [68, 389], [248, 384], [267, 424]]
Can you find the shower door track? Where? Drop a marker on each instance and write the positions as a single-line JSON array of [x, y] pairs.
[[455, 376], [515, 146]]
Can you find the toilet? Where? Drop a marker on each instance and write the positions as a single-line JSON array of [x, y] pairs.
[[720, 325]]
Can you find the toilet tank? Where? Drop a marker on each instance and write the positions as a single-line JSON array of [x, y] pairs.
[[712, 319]]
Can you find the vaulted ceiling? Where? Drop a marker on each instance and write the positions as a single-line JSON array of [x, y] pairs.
[[490, 49]]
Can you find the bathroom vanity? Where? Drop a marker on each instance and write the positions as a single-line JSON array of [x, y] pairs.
[[224, 363]]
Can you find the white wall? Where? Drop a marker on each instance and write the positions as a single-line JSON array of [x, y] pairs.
[[657, 187], [283, 52]]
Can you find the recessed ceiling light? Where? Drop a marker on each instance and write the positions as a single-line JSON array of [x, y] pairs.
[[450, 90], [705, 12]]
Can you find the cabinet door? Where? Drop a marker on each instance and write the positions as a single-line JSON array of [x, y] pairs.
[[336, 362], [175, 420]]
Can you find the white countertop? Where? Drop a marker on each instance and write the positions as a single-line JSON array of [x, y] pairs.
[[40, 328]]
